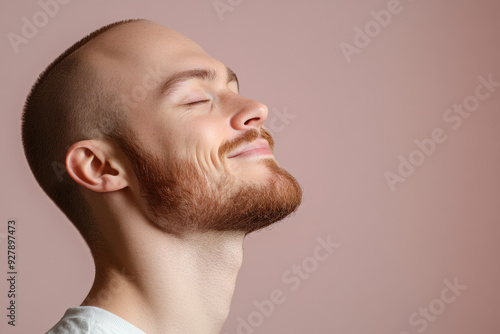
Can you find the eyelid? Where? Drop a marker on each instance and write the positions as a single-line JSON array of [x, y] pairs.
[[197, 102], [208, 98]]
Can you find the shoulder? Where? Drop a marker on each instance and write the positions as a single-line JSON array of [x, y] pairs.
[[92, 320], [78, 325]]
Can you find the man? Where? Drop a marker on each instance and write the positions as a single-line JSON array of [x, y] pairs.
[[167, 168]]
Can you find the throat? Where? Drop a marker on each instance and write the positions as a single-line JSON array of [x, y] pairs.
[[174, 283]]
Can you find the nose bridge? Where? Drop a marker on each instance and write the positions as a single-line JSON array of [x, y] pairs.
[[246, 113]]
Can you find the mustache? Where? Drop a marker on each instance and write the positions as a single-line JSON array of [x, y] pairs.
[[247, 137]]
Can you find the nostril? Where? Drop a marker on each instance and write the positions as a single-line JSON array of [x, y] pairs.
[[251, 119]]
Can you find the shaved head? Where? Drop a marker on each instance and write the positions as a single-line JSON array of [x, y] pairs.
[[141, 87]]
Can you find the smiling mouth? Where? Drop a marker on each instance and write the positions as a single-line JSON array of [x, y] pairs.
[[259, 147]]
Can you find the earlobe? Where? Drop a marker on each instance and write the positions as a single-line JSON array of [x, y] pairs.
[[91, 164]]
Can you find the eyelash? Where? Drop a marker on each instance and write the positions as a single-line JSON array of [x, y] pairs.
[[197, 102]]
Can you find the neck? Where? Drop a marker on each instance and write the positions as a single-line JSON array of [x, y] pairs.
[[166, 284]]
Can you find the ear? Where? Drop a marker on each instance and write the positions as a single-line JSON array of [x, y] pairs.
[[94, 164]]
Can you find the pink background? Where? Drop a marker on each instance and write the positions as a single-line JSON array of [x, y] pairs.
[[351, 122]]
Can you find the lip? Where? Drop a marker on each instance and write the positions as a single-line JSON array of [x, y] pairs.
[[258, 147]]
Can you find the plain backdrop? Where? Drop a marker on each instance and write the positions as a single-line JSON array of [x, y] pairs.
[[350, 91]]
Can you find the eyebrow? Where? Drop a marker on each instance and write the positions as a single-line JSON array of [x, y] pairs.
[[169, 84]]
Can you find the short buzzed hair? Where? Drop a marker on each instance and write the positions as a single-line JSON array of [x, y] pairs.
[[67, 103]]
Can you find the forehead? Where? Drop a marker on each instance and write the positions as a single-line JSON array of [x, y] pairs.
[[136, 51]]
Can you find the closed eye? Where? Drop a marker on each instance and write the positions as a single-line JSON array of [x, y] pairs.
[[190, 104]]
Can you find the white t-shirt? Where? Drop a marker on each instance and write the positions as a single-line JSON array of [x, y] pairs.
[[92, 320]]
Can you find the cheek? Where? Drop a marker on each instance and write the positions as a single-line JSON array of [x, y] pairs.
[[203, 137], [208, 135], [194, 136]]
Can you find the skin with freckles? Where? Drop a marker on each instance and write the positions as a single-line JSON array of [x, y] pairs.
[[184, 173]]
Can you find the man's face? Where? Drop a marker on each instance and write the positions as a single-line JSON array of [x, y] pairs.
[[199, 151]]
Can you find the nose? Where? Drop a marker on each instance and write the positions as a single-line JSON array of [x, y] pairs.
[[249, 114]]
